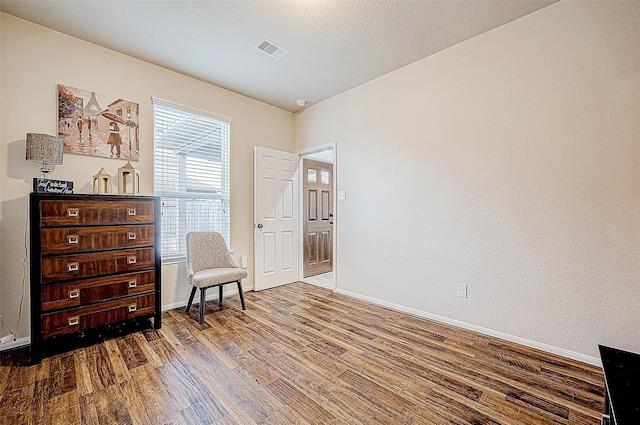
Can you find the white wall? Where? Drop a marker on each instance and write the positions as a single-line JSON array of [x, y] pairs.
[[510, 163], [34, 60]]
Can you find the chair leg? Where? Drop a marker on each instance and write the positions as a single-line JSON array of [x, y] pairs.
[[220, 293], [202, 304], [244, 306], [193, 292]]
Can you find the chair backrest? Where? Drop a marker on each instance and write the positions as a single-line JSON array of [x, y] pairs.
[[207, 250]]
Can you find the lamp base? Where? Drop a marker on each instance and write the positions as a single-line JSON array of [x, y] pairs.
[[52, 186], [45, 169]]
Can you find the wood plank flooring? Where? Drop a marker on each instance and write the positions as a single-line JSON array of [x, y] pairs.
[[299, 354]]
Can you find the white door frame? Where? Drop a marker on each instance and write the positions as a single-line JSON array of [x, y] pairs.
[[334, 247]]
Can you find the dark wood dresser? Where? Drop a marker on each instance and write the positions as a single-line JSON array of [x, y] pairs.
[[95, 263]]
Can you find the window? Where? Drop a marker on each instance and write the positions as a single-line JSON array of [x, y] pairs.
[[191, 174]]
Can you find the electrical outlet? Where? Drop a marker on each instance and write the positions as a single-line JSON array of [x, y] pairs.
[[462, 290]]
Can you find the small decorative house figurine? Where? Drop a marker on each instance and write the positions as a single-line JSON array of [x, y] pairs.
[[102, 182], [128, 180]]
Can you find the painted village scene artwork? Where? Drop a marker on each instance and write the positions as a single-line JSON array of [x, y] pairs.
[[94, 124]]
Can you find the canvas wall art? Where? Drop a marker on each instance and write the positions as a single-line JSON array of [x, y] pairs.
[[99, 125]]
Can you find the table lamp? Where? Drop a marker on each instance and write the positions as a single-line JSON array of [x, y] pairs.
[[45, 150]]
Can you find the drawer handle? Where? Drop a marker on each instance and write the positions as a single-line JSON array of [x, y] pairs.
[[131, 211], [73, 267], [132, 236], [74, 320], [132, 308], [133, 284], [74, 293], [73, 239], [131, 260], [72, 212]]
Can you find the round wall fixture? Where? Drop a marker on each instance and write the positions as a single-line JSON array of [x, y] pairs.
[[301, 102]]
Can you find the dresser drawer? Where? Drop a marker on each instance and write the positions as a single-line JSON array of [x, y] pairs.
[[89, 291], [67, 212], [78, 239], [94, 264], [82, 318]]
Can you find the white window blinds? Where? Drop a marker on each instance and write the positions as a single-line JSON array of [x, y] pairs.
[[191, 168]]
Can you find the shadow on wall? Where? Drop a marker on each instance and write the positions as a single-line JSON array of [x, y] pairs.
[[14, 265], [14, 238], [17, 166]]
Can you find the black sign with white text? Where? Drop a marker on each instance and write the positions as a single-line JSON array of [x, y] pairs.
[[52, 186]]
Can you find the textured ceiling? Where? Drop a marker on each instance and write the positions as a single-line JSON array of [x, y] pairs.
[[335, 45]]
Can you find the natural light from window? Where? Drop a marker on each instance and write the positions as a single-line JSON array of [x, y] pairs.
[[191, 168]]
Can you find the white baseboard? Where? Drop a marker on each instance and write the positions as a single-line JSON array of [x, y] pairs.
[[490, 332], [20, 342]]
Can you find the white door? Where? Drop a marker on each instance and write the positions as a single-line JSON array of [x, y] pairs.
[[275, 213]]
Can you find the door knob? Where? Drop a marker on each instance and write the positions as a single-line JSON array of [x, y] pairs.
[[260, 226]]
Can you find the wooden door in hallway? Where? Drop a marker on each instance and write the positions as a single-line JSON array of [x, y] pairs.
[[318, 217]]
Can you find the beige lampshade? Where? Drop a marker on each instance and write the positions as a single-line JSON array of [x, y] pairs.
[[43, 148]]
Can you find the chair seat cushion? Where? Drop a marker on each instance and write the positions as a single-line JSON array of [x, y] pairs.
[[213, 277]]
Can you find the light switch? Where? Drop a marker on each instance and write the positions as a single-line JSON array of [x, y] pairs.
[[342, 195], [243, 261]]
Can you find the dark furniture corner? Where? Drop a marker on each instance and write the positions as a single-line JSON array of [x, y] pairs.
[[622, 386]]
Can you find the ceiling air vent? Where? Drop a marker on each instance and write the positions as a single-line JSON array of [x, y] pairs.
[[272, 49]]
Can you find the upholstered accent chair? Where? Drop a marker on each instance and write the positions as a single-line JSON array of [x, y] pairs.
[[209, 264]]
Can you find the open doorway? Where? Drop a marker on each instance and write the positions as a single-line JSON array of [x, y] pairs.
[[278, 239], [317, 236]]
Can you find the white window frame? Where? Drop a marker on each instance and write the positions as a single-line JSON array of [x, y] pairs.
[[198, 193]]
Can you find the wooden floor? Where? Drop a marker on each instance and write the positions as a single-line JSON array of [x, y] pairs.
[[299, 354]]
